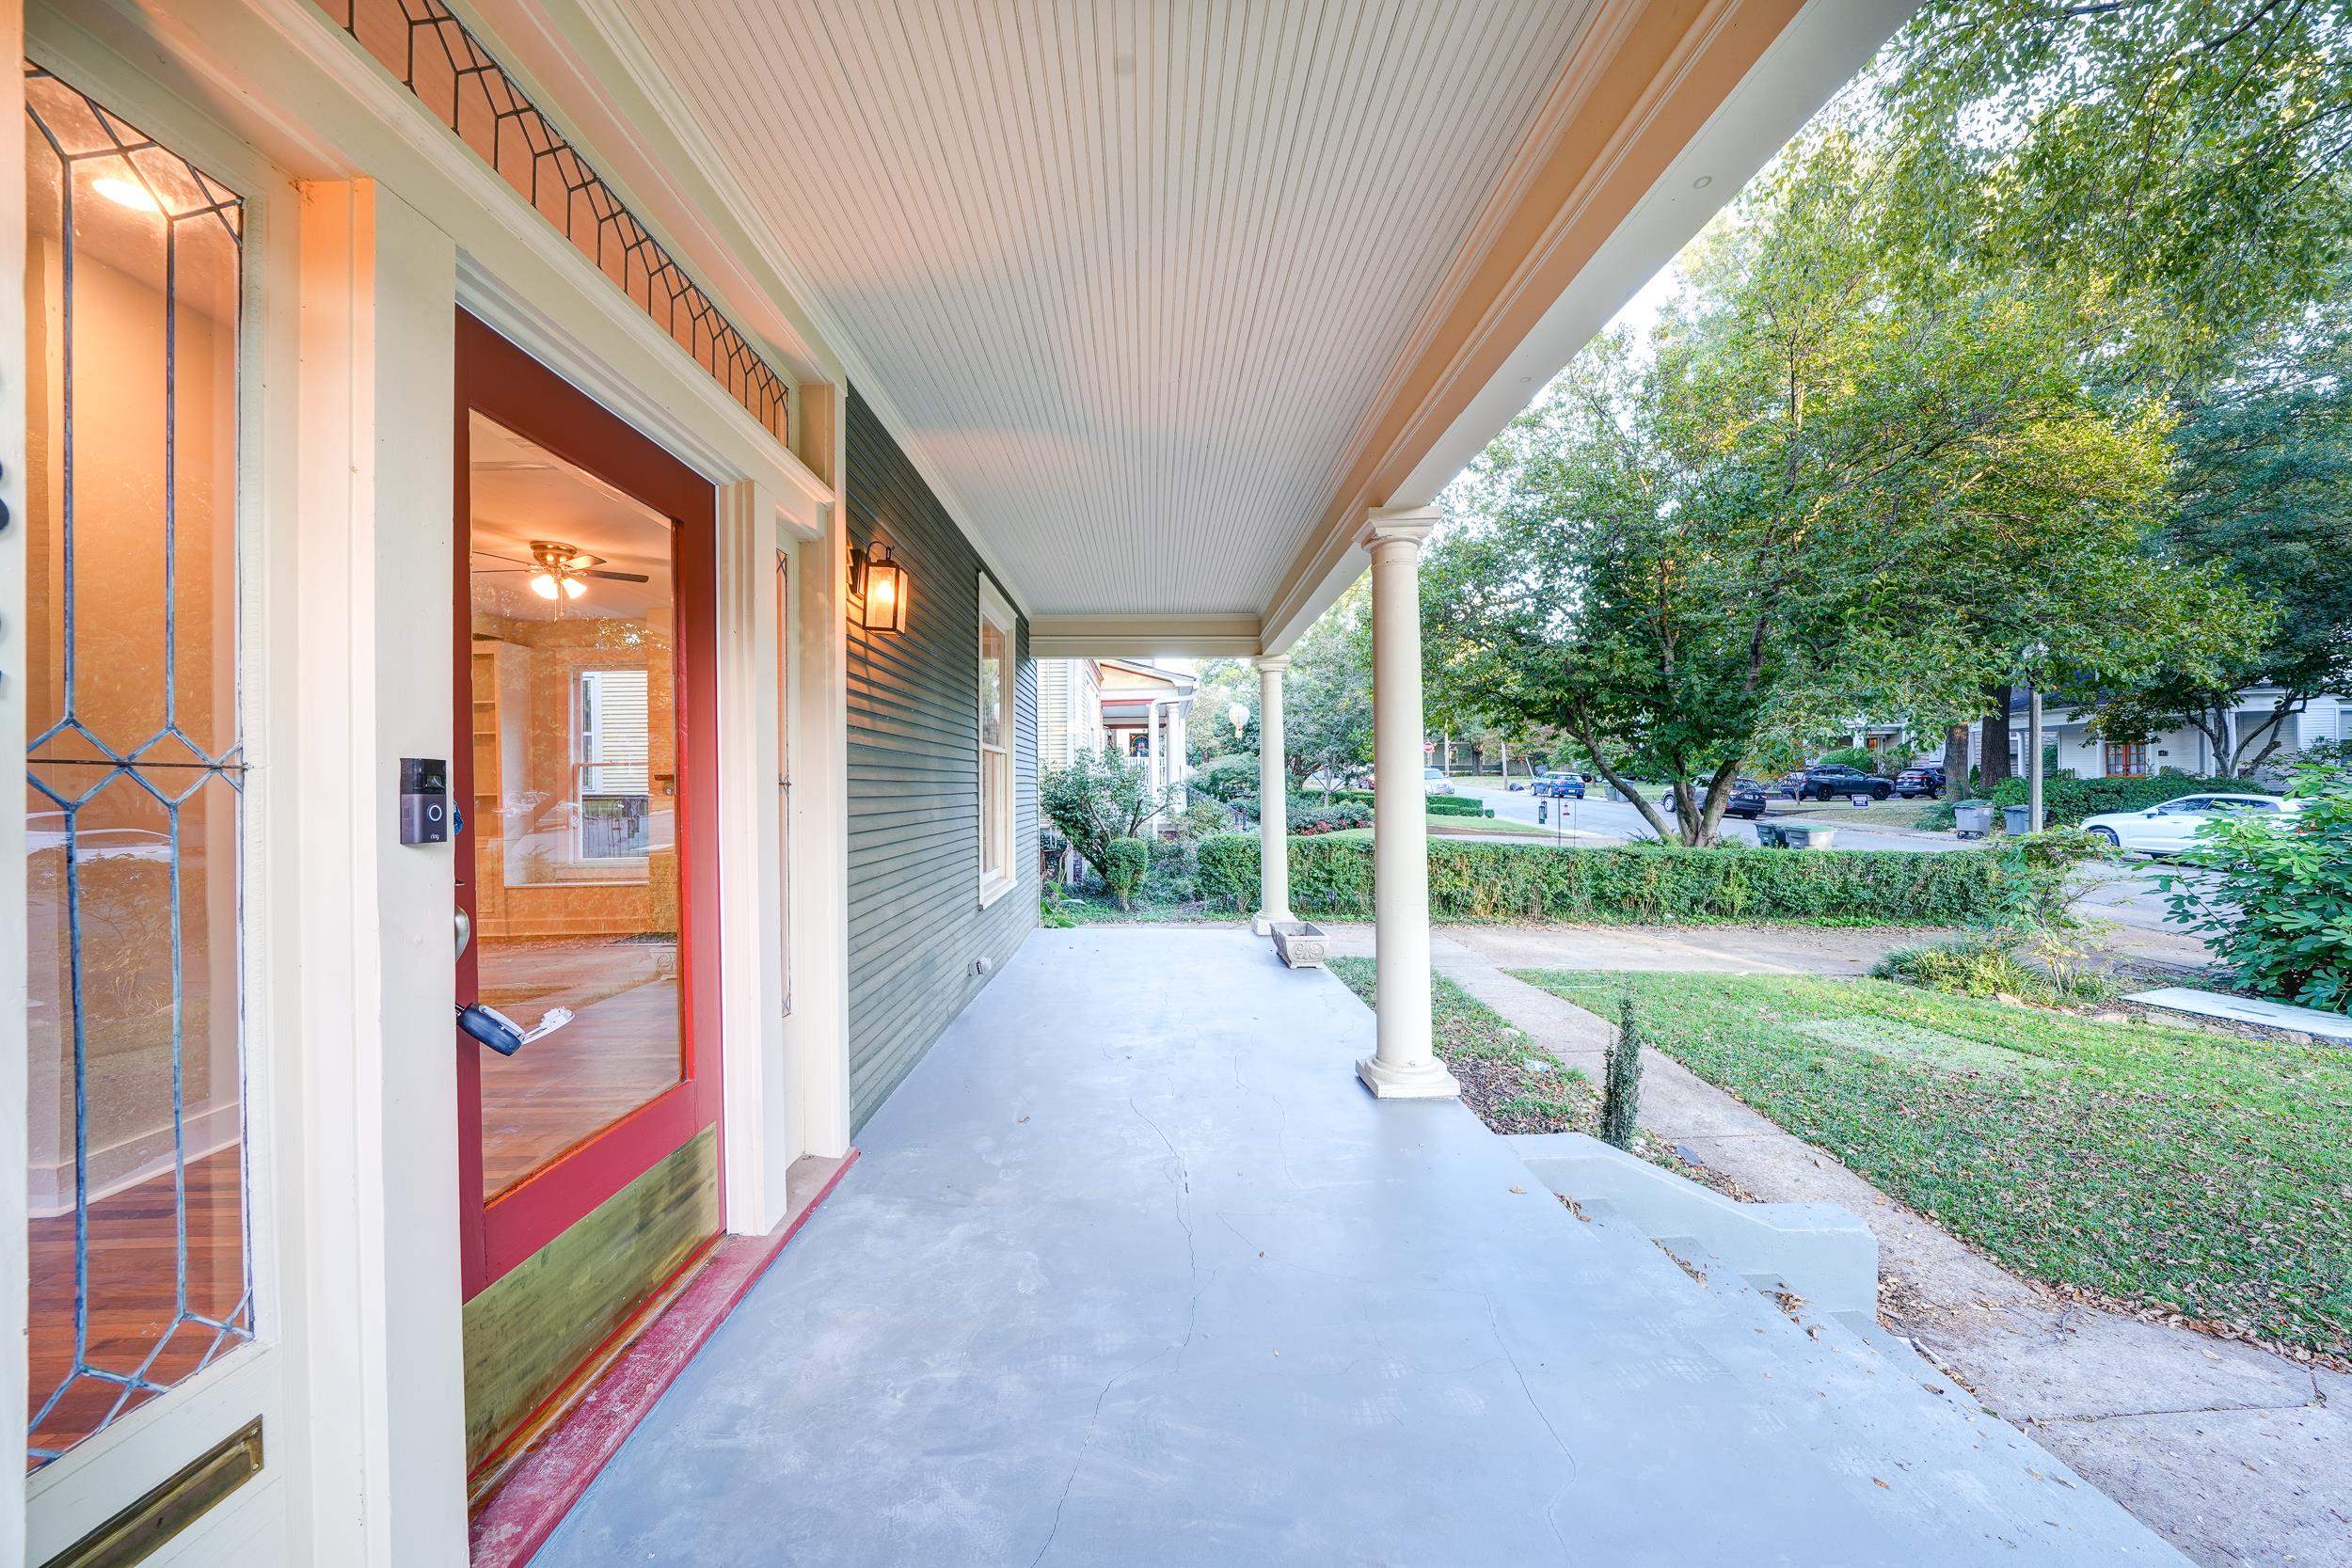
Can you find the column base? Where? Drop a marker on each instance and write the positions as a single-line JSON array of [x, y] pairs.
[[1263, 922], [1429, 1081]]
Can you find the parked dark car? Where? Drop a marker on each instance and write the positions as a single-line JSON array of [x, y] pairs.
[[1747, 799], [1833, 781], [1561, 787], [1926, 779]]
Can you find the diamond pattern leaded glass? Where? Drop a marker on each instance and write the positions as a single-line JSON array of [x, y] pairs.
[[455, 77], [140, 1250]]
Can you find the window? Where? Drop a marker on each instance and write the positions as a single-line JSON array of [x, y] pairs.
[[134, 768], [996, 655], [2127, 762], [614, 751]]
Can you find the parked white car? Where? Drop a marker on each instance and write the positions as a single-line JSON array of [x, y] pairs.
[[1433, 782], [2172, 827]]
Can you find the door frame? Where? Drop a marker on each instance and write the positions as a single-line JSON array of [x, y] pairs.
[[508, 385]]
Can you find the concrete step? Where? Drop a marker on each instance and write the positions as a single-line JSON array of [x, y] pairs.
[[1837, 1380]]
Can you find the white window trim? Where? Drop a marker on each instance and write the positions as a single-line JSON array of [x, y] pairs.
[[996, 611]]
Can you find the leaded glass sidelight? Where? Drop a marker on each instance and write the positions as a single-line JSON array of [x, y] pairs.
[[139, 1247]]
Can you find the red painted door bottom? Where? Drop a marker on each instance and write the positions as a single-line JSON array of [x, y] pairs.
[[536, 1489]]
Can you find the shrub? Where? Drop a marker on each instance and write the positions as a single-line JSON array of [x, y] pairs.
[[1456, 805], [1472, 882], [1230, 778], [2278, 910], [2067, 799], [1171, 877], [1331, 820], [1986, 961], [1201, 818], [1125, 863], [1860, 757], [1621, 1081], [1227, 876], [1098, 797]]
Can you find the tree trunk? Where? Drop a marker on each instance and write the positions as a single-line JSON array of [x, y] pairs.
[[1956, 762], [1992, 766]]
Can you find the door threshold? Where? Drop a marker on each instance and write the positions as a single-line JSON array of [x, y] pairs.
[[519, 1500]]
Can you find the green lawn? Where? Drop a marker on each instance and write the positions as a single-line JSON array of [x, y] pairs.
[[1493, 1059], [2200, 1172]]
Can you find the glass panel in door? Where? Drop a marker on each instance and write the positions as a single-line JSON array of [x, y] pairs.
[[134, 771], [575, 748]]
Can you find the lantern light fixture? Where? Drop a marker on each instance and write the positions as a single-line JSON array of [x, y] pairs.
[[882, 589]]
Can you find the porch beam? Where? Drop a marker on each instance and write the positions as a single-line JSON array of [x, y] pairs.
[[1274, 865], [1143, 636], [1403, 1067]]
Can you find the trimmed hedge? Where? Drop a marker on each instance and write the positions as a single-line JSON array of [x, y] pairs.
[[1499, 883], [2067, 799]]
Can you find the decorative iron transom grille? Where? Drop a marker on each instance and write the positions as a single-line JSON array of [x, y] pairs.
[[138, 1240], [454, 77]]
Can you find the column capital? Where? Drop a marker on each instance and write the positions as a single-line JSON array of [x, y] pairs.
[[1389, 525], [1272, 663]]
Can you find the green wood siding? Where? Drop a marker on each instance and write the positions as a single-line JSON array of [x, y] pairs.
[[532, 1326], [915, 923]]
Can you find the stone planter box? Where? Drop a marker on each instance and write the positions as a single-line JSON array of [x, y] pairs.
[[1302, 944]]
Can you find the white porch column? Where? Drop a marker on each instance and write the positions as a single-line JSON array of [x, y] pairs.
[[1153, 773], [1403, 1067], [1274, 864]]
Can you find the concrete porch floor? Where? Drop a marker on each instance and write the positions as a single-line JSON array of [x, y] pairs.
[[1133, 1272]]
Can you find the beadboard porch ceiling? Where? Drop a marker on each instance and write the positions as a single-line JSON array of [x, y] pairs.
[[1162, 296]]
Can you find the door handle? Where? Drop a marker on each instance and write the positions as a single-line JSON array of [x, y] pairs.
[[465, 932]]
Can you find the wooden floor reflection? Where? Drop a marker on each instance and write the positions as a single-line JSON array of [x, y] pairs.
[[133, 1293], [621, 1049]]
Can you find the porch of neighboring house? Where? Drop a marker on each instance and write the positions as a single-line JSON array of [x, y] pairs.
[[1133, 1270]]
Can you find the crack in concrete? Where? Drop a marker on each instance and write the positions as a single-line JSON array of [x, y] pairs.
[[1182, 1178]]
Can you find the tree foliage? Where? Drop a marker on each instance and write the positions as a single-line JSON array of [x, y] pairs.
[[1100, 797], [2185, 163], [1829, 483], [2262, 490], [1326, 704]]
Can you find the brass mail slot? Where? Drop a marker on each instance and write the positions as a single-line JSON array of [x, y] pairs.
[[167, 1510]]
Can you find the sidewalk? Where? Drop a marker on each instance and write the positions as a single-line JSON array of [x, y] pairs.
[[2233, 1453]]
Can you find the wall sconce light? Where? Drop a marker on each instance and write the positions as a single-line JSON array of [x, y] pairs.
[[881, 587]]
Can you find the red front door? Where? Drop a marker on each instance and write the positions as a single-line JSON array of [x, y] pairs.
[[584, 768]]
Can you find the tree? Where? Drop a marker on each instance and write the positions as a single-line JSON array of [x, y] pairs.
[[2262, 490], [1097, 799], [2188, 162], [1223, 683], [1829, 483], [1327, 707]]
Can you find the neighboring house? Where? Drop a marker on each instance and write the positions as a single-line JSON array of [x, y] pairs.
[[2184, 749], [1146, 710], [1069, 711], [2081, 750]]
